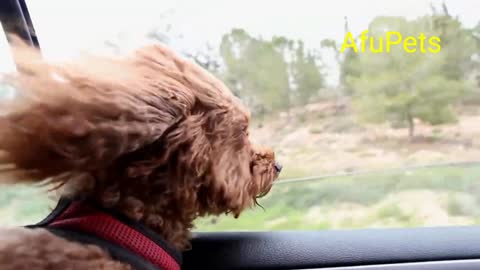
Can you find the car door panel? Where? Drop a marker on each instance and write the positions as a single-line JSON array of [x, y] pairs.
[[341, 248]]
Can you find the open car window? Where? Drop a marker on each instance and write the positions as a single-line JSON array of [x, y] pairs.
[[6, 65], [405, 198], [368, 139]]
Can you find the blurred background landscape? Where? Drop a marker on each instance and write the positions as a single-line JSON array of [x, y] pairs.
[[366, 140]]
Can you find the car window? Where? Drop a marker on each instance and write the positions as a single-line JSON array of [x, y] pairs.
[[6, 65], [18, 204], [372, 109]]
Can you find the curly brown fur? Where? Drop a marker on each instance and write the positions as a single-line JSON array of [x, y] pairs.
[[46, 251], [152, 136]]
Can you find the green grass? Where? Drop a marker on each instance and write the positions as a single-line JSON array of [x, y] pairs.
[[370, 200], [287, 204], [21, 205]]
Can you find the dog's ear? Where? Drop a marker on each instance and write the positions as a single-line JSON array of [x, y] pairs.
[[243, 172], [81, 117], [231, 162]]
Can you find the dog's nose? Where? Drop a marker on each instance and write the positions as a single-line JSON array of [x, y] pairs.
[[278, 167]]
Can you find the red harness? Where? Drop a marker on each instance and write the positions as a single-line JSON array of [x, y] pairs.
[[78, 216]]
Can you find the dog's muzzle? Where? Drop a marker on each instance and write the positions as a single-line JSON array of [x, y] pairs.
[[278, 167]]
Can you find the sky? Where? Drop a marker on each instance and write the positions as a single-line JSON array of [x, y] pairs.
[[66, 27], [6, 60]]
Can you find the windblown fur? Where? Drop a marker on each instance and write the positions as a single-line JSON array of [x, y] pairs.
[[152, 136]]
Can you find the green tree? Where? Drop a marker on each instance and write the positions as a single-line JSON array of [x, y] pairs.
[[270, 75], [345, 61], [306, 74], [476, 59], [399, 86], [256, 71]]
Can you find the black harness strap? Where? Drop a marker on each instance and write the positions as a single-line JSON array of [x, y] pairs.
[[115, 250]]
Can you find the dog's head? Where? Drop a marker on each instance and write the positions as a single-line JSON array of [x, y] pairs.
[[205, 155], [152, 134]]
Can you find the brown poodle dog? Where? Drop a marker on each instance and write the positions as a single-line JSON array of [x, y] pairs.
[[151, 136]]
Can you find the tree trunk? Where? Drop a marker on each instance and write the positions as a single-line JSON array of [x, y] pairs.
[[411, 126], [288, 105]]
